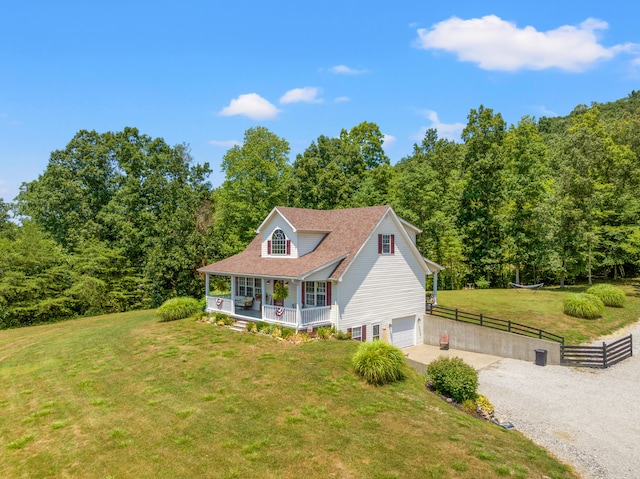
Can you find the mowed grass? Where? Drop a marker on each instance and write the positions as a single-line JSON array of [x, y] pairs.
[[543, 309], [124, 395]]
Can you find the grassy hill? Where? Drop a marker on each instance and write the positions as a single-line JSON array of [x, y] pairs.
[[124, 396], [543, 309]]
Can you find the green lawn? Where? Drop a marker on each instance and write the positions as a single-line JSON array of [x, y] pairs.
[[123, 396], [543, 309]]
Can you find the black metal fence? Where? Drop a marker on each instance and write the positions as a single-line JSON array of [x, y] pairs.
[[597, 356], [494, 323]]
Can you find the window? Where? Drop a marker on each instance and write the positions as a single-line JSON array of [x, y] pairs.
[[315, 293], [356, 333], [278, 242], [386, 244], [376, 331], [249, 286]]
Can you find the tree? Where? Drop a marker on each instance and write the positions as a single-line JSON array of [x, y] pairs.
[[482, 199], [124, 190], [257, 178], [35, 274], [527, 185], [427, 194], [343, 172]]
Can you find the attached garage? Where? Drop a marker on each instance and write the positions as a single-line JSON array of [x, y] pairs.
[[403, 332]]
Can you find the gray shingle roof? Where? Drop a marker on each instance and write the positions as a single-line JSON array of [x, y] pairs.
[[347, 230]]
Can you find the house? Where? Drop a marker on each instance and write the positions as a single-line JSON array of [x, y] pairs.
[[357, 269]]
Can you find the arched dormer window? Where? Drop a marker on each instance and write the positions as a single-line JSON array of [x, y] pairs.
[[279, 244]]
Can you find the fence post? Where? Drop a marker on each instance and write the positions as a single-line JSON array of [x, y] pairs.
[[631, 345], [509, 326], [480, 319], [456, 314], [604, 354]]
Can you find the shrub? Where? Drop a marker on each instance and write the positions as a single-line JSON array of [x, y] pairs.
[[323, 332], [610, 295], [225, 319], [287, 332], [261, 326], [469, 406], [484, 405], [379, 362], [454, 378], [583, 305], [178, 308], [342, 335], [482, 283]]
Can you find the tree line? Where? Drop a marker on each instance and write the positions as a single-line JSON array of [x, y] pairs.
[[120, 220]]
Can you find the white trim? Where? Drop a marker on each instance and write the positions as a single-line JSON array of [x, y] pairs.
[[268, 218], [410, 226], [320, 268]]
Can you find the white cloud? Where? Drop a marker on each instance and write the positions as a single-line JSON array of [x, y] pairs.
[[307, 94], [544, 111], [495, 44], [341, 99], [251, 105], [224, 143], [345, 70], [388, 140], [450, 131]]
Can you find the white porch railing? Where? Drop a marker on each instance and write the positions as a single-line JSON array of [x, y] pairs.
[[276, 314], [216, 303], [279, 314], [311, 316]]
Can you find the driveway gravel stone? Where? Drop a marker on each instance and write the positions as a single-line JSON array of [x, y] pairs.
[[589, 418]]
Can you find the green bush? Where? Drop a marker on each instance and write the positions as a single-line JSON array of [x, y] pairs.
[[342, 335], [323, 332], [379, 362], [583, 305], [453, 377], [224, 318], [482, 283], [262, 326], [178, 308], [610, 295], [288, 332]]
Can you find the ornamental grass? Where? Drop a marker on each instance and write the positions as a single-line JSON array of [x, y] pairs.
[[178, 308], [583, 305], [379, 362], [610, 295]]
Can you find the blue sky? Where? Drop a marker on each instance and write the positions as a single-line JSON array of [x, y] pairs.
[[203, 72]]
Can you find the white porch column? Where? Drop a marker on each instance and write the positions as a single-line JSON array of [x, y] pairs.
[[435, 288], [299, 302], [206, 284], [233, 295]]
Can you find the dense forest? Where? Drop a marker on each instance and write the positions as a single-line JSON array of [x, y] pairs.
[[119, 220]]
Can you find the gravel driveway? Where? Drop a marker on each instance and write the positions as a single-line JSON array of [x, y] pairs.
[[589, 418]]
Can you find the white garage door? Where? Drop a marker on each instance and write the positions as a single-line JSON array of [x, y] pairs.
[[403, 332]]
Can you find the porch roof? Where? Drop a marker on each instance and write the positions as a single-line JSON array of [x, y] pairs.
[[347, 230]]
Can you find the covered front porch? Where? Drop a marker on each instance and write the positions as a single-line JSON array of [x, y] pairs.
[[252, 299]]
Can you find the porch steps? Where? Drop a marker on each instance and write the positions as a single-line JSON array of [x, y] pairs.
[[239, 325]]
